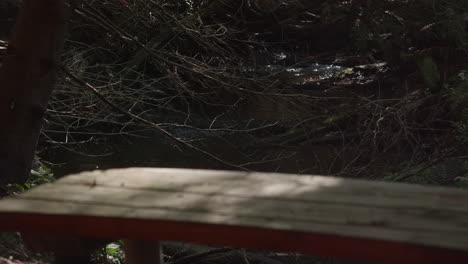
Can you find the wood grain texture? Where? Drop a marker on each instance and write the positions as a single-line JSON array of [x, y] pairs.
[[392, 222]]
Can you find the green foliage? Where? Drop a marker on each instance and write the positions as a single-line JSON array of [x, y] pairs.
[[463, 76], [429, 72], [444, 172], [459, 92], [112, 254], [402, 175], [462, 181], [332, 119], [40, 174], [390, 176], [11, 247], [8, 236], [6, 241]]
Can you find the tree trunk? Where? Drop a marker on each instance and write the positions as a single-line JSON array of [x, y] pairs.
[[27, 78]]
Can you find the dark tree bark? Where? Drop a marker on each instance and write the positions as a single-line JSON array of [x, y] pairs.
[[27, 78]]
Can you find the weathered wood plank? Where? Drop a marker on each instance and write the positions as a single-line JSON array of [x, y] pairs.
[[322, 212], [268, 212], [310, 188]]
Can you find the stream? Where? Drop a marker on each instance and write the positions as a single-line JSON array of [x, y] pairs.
[[151, 148], [329, 155]]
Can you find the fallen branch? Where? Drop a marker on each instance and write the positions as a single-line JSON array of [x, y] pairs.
[[145, 121]]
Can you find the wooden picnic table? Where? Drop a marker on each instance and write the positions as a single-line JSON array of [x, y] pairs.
[[325, 216]]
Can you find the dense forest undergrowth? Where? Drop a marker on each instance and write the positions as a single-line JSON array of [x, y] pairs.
[[371, 89]]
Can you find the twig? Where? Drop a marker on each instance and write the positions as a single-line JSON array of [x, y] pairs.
[[245, 257], [145, 121]]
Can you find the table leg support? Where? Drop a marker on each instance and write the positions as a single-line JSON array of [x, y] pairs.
[[142, 252]]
